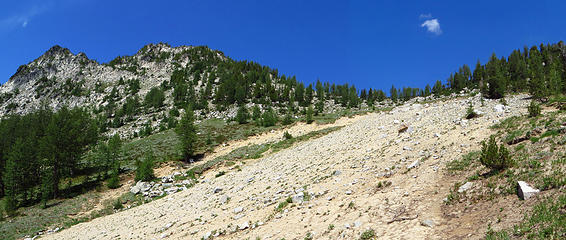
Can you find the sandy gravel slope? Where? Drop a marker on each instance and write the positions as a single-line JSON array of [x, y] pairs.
[[339, 172]]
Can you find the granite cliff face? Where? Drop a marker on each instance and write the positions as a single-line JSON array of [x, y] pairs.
[[59, 77]]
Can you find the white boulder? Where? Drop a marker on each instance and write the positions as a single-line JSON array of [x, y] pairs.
[[525, 191]]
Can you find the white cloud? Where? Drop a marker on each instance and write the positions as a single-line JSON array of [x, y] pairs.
[[23, 19], [425, 16], [433, 26]]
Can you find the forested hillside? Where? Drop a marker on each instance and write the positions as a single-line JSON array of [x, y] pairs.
[[62, 106]]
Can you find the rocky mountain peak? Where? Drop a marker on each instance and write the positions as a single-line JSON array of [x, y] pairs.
[[58, 51]]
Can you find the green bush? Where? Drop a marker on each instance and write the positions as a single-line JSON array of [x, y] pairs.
[[287, 135], [113, 181], [117, 204], [470, 112], [268, 118], [256, 113], [494, 157], [368, 234], [144, 171], [534, 109], [288, 119], [8, 206], [243, 115]]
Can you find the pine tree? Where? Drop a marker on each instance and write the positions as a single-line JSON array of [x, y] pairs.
[[537, 84], [154, 98], [46, 182], [187, 133], [256, 113], [309, 118], [495, 79], [242, 115], [144, 171], [393, 94]]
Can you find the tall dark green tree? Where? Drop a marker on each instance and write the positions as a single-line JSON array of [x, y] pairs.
[[242, 116], [187, 133], [496, 83], [393, 94]]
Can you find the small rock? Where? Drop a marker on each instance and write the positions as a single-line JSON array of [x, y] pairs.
[[223, 199], [238, 209], [427, 223], [207, 235], [336, 172], [243, 225], [299, 197], [499, 108], [166, 179], [465, 187], [525, 191], [135, 190], [217, 190], [348, 192], [414, 164]]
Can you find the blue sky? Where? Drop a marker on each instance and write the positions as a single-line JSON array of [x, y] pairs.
[[367, 43]]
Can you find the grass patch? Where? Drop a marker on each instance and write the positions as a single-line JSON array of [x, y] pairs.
[[34, 219], [509, 123], [255, 151], [546, 221], [463, 163], [284, 204]]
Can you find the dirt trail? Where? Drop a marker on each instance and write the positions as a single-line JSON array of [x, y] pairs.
[[342, 176]]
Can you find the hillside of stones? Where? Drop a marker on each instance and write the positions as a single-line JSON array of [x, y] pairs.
[[383, 175], [60, 78]]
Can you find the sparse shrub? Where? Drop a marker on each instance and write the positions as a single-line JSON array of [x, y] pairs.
[[117, 204], [144, 171], [309, 236], [220, 174], [503, 101], [288, 119], [494, 157], [368, 234], [191, 174], [534, 109], [287, 135], [470, 113], [284, 204]]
